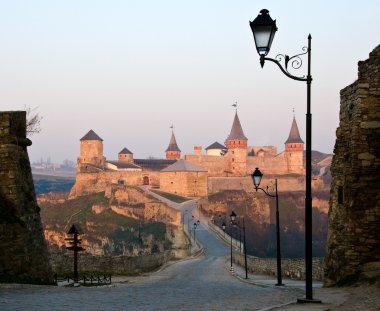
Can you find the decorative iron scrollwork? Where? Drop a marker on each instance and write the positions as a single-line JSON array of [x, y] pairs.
[[295, 61], [286, 62]]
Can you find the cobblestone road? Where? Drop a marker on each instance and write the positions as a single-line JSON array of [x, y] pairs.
[[203, 283]]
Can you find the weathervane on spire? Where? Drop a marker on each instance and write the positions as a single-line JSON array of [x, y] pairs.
[[294, 114], [172, 127], [235, 105]]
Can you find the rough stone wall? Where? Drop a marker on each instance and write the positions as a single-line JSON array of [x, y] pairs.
[[293, 268], [23, 250], [115, 265], [354, 216]]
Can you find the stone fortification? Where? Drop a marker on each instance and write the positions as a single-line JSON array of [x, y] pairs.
[[354, 217], [87, 183], [23, 251]]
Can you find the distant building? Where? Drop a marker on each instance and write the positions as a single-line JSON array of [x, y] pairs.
[[195, 174]]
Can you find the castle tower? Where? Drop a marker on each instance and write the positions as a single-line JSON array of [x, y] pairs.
[[294, 147], [237, 148], [173, 152], [126, 156], [91, 150]]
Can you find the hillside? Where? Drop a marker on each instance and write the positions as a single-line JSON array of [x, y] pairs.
[[105, 232]]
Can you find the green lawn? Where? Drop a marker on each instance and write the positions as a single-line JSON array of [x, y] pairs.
[[170, 196]]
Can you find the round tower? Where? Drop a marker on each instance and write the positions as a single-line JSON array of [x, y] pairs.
[[91, 150], [125, 156], [237, 148], [173, 152], [294, 147]]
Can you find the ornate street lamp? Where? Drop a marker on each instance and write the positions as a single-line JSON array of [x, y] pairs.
[[256, 177], [263, 29]]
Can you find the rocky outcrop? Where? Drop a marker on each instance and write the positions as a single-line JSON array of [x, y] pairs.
[[354, 217], [23, 251]]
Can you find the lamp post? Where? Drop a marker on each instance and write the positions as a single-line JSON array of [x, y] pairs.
[[256, 177], [233, 217], [245, 248], [264, 29], [245, 252]]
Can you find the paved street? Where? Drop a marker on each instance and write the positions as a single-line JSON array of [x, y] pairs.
[[203, 283]]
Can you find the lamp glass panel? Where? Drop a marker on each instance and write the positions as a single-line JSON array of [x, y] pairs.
[[263, 38], [257, 180]]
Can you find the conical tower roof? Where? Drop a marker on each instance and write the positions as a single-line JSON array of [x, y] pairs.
[[294, 135], [125, 151], [173, 144], [236, 130], [91, 135]]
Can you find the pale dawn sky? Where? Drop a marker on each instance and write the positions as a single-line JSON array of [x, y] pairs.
[[130, 69]]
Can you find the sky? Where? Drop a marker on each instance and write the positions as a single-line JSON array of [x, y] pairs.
[[131, 69]]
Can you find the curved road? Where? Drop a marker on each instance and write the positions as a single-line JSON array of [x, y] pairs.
[[202, 283]]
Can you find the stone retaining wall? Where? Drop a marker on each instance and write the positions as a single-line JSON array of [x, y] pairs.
[[115, 265], [291, 268]]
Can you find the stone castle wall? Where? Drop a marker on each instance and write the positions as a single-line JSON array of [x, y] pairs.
[[87, 182], [219, 166], [354, 217], [23, 250], [287, 182], [192, 184], [216, 165]]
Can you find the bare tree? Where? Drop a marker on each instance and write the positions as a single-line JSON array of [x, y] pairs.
[[33, 121]]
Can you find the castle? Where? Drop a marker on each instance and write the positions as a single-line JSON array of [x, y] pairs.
[[197, 174]]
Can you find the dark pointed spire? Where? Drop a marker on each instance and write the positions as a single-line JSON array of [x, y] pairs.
[[294, 135], [173, 143], [91, 135], [236, 130]]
